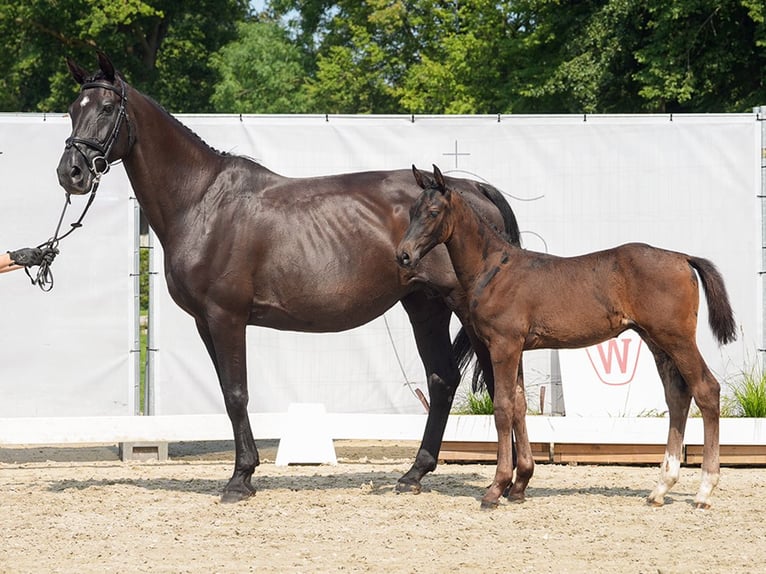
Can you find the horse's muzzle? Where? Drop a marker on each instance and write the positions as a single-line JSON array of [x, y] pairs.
[[74, 178]]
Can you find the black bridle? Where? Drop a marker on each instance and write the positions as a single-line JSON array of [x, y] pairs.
[[98, 166]]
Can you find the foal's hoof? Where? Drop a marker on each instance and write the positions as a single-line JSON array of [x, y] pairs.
[[489, 504], [702, 506], [412, 487]]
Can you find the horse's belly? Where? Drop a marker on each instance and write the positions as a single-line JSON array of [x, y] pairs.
[[319, 314]]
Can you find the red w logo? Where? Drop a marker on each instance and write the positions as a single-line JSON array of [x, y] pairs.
[[615, 360]]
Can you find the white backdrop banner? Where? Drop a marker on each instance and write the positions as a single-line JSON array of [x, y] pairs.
[[577, 184], [66, 352]]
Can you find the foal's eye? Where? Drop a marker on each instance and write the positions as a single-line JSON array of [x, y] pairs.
[[433, 214], [108, 108]]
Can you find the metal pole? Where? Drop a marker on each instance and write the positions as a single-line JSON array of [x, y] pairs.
[[136, 308], [150, 342], [761, 117]]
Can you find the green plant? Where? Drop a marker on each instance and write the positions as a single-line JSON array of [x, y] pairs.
[[476, 404], [747, 396]]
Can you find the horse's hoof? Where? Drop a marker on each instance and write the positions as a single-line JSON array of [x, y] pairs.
[[655, 502], [409, 487], [234, 496], [702, 506], [489, 504], [516, 498]]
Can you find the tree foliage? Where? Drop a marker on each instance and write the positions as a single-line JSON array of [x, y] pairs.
[[162, 46], [397, 56]]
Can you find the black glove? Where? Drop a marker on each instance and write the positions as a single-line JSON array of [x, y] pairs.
[[27, 257], [49, 254]]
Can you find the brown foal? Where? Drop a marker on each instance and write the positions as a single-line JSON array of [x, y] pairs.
[[521, 300]]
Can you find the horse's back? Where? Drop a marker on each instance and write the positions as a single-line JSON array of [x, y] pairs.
[[316, 254]]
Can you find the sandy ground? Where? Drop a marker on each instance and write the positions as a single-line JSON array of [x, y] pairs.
[[82, 510]]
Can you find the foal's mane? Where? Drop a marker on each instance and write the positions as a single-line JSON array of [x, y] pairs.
[[500, 235]]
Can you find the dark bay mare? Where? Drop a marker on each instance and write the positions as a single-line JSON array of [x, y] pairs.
[[524, 300], [246, 246]]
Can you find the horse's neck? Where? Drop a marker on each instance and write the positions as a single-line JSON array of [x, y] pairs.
[[168, 166], [471, 242]]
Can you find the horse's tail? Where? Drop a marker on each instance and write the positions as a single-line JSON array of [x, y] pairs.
[[720, 314], [509, 218], [461, 346]]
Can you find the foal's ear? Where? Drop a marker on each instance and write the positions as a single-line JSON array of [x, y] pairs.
[[422, 179], [106, 66], [78, 73], [439, 178]]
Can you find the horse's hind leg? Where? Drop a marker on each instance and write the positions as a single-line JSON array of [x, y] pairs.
[[224, 339], [430, 322], [678, 399]]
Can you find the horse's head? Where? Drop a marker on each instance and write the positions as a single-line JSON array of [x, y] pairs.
[[429, 219], [100, 127]]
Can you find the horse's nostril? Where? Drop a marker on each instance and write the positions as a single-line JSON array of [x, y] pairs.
[[75, 173]]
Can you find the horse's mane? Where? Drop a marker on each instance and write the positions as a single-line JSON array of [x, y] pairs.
[[185, 127], [98, 76]]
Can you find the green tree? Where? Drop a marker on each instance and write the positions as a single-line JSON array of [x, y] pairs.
[[161, 46], [631, 56], [260, 72]]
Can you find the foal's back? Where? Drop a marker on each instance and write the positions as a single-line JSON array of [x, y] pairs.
[[576, 301]]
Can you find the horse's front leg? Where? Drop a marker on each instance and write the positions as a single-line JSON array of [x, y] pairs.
[[224, 337], [505, 360]]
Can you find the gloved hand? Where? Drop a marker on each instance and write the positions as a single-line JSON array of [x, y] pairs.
[[49, 254], [27, 257]]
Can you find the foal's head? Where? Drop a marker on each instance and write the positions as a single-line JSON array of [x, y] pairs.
[[430, 221]]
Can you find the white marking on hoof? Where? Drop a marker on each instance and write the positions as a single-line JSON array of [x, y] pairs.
[[669, 473], [707, 485]]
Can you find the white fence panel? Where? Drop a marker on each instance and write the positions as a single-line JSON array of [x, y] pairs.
[[576, 183], [67, 352]]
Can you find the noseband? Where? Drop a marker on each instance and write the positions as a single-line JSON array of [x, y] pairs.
[[100, 165]]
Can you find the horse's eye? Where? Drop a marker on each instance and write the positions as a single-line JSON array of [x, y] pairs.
[[433, 214], [108, 108]]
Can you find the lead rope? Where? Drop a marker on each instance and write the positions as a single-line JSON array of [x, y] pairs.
[[44, 276]]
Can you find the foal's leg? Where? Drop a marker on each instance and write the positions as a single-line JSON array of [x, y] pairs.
[[485, 362], [523, 460], [678, 399], [430, 320], [224, 337], [707, 394], [505, 365]]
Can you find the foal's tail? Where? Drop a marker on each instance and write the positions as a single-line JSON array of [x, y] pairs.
[[720, 314], [461, 346]]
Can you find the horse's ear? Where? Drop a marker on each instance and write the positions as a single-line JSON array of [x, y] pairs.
[[78, 73], [422, 179], [106, 66], [441, 184]]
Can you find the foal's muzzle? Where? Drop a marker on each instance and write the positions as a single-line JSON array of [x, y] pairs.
[[404, 259]]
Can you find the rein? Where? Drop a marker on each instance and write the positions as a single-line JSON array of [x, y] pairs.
[[98, 166]]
